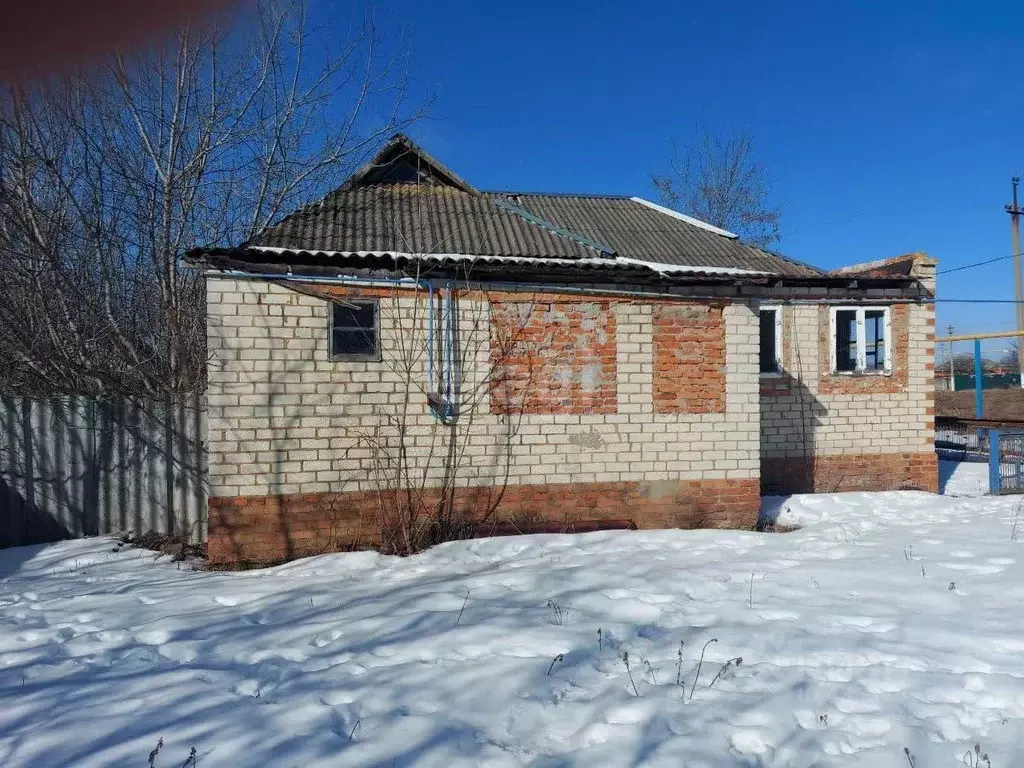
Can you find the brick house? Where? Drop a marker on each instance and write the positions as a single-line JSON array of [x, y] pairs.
[[590, 357]]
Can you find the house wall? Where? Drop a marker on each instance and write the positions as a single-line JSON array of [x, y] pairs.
[[293, 469], [832, 432]]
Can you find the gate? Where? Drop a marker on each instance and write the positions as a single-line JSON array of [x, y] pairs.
[[1006, 461]]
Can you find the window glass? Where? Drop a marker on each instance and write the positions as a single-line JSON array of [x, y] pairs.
[[874, 340], [769, 363], [354, 330], [846, 340]]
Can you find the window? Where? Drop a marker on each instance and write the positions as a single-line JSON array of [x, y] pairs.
[[354, 330], [771, 340], [860, 340]]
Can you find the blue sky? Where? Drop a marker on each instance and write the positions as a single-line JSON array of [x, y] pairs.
[[888, 127]]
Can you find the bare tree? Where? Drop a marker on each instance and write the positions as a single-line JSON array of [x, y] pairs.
[[719, 180], [441, 449], [203, 140], [1008, 358]]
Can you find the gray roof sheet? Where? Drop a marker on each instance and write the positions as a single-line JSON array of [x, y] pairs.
[[414, 218], [639, 231], [376, 210]]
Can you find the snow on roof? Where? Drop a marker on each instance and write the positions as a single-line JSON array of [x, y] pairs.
[[687, 219]]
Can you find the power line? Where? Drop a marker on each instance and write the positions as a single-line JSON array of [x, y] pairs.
[[977, 264], [977, 301]]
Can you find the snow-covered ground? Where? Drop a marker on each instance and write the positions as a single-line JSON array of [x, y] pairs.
[[889, 621], [963, 478]]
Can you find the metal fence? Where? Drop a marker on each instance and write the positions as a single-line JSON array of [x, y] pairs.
[[961, 440], [78, 466], [1006, 467]]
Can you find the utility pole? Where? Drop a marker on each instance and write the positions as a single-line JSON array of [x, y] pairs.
[[1015, 211], [952, 380]]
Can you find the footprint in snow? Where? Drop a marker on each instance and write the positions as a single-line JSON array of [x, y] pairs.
[[855, 706], [748, 742], [975, 568], [326, 638], [153, 637], [337, 698], [779, 616]]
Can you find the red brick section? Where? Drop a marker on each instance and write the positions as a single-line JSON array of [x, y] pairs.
[[553, 357], [256, 529], [864, 472], [689, 359], [852, 384]]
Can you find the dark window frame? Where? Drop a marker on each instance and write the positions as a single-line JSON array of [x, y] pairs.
[[353, 357]]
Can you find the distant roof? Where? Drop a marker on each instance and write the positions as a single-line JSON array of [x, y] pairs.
[[405, 201]]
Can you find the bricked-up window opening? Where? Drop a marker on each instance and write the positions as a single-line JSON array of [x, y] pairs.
[[860, 338], [771, 340], [355, 331]]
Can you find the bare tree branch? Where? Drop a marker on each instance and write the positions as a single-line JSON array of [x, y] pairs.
[[203, 140], [718, 180]]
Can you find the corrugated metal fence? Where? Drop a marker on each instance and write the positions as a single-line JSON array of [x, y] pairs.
[[79, 466]]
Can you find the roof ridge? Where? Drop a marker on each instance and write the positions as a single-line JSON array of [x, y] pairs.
[[598, 195]]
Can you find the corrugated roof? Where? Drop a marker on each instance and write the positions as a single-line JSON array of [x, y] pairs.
[[376, 210], [415, 218], [637, 230]]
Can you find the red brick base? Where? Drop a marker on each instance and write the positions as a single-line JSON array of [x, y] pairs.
[[262, 529], [866, 472]]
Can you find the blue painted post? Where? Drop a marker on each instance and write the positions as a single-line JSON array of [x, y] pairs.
[[994, 479], [978, 403]]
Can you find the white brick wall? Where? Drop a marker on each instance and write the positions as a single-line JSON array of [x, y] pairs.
[[285, 419], [810, 422]]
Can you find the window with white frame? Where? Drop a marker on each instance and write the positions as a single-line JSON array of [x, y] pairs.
[[861, 340], [771, 341]]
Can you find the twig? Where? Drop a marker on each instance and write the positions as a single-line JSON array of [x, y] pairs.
[[725, 668], [650, 669], [699, 664], [625, 660], [906, 751], [355, 727], [554, 661], [192, 760], [463, 608], [156, 751], [600, 641], [750, 598], [679, 666]]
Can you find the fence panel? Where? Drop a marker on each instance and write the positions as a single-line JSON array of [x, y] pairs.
[[78, 466], [1006, 466]]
